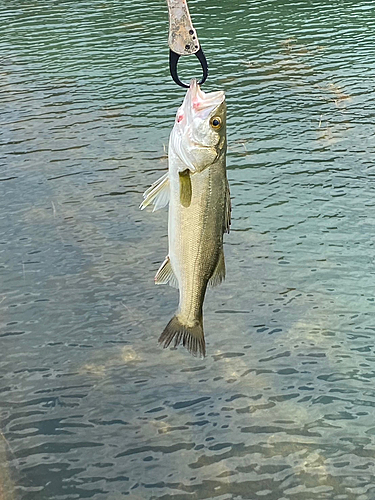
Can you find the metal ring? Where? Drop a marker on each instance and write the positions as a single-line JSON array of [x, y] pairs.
[[173, 61]]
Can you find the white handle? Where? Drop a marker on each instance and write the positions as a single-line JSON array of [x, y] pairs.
[[182, 38]]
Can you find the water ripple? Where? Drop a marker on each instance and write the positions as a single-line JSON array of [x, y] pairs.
[[282, 407]]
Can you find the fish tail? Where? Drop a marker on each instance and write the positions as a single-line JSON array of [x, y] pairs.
[[192, 337]]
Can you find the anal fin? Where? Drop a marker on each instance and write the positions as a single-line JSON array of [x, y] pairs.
[[165, 274]]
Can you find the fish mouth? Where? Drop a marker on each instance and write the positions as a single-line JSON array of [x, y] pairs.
[[202, 101]]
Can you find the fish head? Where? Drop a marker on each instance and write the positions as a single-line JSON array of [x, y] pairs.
[[199, 134]]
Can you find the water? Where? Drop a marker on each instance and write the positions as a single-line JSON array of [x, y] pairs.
[[282, 408]]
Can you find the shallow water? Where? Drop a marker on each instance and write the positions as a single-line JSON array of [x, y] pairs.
[[282, 408]]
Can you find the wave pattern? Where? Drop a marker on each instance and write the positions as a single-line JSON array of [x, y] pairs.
[[282, 408]]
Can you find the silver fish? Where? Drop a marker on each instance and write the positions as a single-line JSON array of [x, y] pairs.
[[197, 190]]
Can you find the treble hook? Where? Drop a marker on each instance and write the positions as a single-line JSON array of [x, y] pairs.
[[183, 39], [173, 61]]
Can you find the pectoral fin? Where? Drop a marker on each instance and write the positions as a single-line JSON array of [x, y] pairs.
[[166, 275], [185, 188], [219, 274], [157, 194]]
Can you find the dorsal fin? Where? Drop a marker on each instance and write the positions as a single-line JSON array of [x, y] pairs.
[[228, 210], [219, 273]]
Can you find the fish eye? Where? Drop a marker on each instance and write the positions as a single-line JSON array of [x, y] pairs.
[[216, 122]]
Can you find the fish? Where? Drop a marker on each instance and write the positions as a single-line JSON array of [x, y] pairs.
[[197, 190]]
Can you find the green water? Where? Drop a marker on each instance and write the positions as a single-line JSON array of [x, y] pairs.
[[282, 408]]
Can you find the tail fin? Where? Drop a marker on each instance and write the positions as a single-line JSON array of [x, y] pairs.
[[192, 337]]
